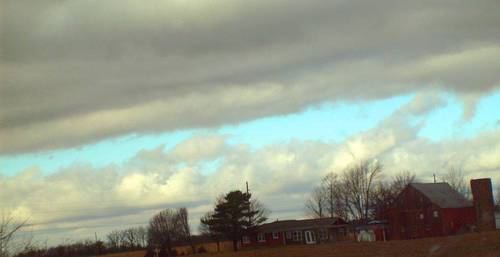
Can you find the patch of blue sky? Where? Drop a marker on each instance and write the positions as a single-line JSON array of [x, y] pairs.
[[440, 123], [329, 122], [209, 167], [326, 122], [486, 118], [447, 122], [103, 153]]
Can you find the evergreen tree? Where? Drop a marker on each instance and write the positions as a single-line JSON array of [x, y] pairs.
[[235, 214]]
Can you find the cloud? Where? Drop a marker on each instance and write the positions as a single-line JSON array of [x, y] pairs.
[[84, 199], [424, 102], [74, 72], [196, 149]]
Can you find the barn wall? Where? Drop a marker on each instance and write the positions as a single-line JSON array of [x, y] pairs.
[[458, 220], [412, 216]]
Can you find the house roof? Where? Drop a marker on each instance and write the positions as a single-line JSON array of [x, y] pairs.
[[287, 225], [442, 195]]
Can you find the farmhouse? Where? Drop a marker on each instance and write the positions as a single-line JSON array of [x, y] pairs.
[[435, 209], [287, 232]]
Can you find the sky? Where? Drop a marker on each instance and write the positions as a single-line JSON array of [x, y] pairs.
[[112, 110]]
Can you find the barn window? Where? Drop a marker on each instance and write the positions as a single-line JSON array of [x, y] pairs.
[[297, 236], [435, 214], [276, 235], [260, 237], [288, 235], [421, 216], [246, 240]]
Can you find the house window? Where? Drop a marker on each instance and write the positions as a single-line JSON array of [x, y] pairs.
[[297, 236], [435, 214], [288, 235], [261, 237], [246, 240], [322, 234], [276, 235]]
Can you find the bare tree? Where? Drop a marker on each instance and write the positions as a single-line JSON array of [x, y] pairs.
[[114, 239], [358, 188], [316, 204], [327, 200], [207, 228], [142, 235], [456, 179], [131, 238], [182, 218], [401, 180], [261, 212], [164, 229], [352, 194], [122, 239], [8, 229], [335, 200]]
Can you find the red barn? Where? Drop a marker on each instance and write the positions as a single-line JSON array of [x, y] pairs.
[[430, 209]]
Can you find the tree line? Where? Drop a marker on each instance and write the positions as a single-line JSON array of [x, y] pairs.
[[233, 214], [164, 228]]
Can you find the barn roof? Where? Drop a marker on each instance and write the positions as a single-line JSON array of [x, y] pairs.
[[286, 225], [442, 195]]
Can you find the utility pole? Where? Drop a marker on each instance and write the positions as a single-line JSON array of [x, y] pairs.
[[434, 177], [249, 204], [96, 246]]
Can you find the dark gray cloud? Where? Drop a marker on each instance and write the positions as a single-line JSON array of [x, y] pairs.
[[78, 71]]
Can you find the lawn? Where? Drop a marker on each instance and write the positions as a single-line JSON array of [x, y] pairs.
[[477, 244]]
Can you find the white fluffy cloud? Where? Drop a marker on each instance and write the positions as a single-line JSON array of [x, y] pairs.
[[80, 199]]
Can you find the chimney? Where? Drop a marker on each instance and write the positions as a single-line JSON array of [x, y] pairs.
[[482, 195]]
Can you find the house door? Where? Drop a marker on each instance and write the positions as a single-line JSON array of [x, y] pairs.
[[310, 237]]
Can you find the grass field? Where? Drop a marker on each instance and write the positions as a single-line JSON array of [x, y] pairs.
[[479, 244]]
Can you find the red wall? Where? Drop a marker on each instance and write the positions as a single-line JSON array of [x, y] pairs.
[[269, 240], [456, 220]]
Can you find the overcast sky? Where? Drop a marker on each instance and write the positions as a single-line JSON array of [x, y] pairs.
[[113, 109]]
